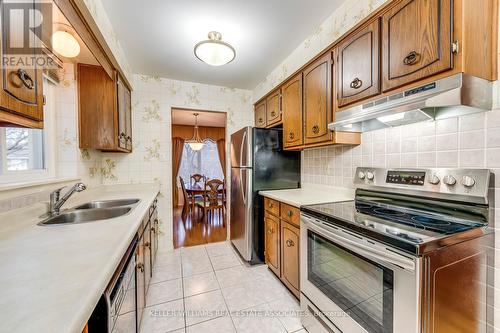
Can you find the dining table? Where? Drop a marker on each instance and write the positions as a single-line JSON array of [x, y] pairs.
[[195, 189]]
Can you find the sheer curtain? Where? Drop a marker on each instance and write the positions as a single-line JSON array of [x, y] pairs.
[[177, 149]]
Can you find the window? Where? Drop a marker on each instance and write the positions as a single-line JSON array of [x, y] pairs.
[[24, 152], [205, 162]]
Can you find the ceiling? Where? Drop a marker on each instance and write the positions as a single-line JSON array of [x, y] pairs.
[[158, 36], [205, 118]]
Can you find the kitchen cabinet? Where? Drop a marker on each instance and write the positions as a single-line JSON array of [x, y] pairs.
[[21, 91], [124, 109], [282, 238], [273, 108], [317, 95], [272, 242], [104, 111], [416, 41], [148, 261], [260, 115], [291, 100], [358, 65], [290, 236]]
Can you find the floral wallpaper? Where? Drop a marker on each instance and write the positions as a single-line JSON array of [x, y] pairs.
[[151, 159], [341, 20]]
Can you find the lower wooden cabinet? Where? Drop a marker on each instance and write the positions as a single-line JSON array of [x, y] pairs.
[[282, 242], [272, 249], [290, 236]]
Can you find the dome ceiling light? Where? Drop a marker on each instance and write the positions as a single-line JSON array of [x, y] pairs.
[[214, 51], [65, 43]]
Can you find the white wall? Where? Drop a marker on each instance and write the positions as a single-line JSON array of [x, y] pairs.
[[151, 160]]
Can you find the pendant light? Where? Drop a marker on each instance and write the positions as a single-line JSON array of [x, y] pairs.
[[214, 51], [195, 143]]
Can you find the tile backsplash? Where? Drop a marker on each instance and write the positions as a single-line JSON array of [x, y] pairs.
[[471, 141]]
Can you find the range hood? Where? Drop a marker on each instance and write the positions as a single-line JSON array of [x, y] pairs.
[[452, 96]]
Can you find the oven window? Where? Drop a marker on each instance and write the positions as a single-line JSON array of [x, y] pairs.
[[360, 287]]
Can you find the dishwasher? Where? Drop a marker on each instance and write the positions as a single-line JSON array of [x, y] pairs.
[[116, 310]]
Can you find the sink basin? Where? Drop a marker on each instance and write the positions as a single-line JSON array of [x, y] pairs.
[[107, 203], [89, 215]]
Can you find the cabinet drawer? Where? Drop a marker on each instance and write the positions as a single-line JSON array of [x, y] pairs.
[[272, 206], [290, 214]]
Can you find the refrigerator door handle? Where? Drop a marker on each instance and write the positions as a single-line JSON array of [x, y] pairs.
[[243, 184], [243, 150]]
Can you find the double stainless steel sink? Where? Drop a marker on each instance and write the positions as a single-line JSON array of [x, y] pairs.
[[92, 211]]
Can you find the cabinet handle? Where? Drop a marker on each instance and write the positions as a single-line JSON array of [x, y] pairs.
[[291, 136], [356, 83], [290, 213], [270, 205], [315, 129], [270, 231], [411, 58], [261, 121], [122, 137], [153, 229], [129, 138], [25, 79], [147, 244], [289, 243], [141, 267], [273, 113]]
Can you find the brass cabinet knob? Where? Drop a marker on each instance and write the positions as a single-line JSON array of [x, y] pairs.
[[356, 83], [289, 213], [289, 243], [270, 231], [147, 244], [411, 58], [291, 135], [315, 129], [141, 267], [270, 205]]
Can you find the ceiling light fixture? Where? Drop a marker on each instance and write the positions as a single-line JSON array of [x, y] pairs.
[[196, 143], [65, 43], [214, 51]]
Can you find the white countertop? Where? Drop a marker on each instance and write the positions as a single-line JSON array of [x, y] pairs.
[[52, 277], [310, 194]]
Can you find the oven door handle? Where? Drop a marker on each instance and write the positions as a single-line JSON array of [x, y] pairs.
[[358, 247]]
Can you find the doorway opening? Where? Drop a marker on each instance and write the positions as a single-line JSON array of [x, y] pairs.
[[199, 177]]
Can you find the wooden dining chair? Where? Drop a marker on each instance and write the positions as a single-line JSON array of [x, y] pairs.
[[188, 199], [211, 199], [197, 178]]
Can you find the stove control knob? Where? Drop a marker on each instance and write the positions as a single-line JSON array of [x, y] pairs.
[[370, 175], [434, 180], [361, 175], [449, 180], [468, 181]]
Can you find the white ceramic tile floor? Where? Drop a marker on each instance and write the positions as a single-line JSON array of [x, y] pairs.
[[208, 288]]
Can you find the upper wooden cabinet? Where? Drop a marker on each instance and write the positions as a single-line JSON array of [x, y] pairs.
[[124, 105], [260, 114], [21, 93], [291, 101], [358, 65], [273, 108], [416, 41], [104, 111], [317, 92]]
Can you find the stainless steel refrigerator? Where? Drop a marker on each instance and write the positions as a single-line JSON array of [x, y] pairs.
[[258, 162]]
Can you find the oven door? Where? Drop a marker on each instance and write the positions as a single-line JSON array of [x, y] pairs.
[[356, 284]]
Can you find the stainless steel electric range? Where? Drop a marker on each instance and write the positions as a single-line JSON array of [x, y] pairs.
[[409, 254]]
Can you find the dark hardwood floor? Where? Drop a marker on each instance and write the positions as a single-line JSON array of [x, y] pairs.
[[196, 231]]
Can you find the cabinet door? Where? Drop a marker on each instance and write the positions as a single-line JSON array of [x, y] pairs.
[[140, 280], [21, 84], [260, 114], [358, 65], [272, 243], [416, 41], [273, 108], [122, 113], [128, 118], [292, 112], [147, 256], [290, 237], [317, 101], [154, 236]]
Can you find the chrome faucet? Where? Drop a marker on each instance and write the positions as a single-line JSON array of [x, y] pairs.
[[56, 201]]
